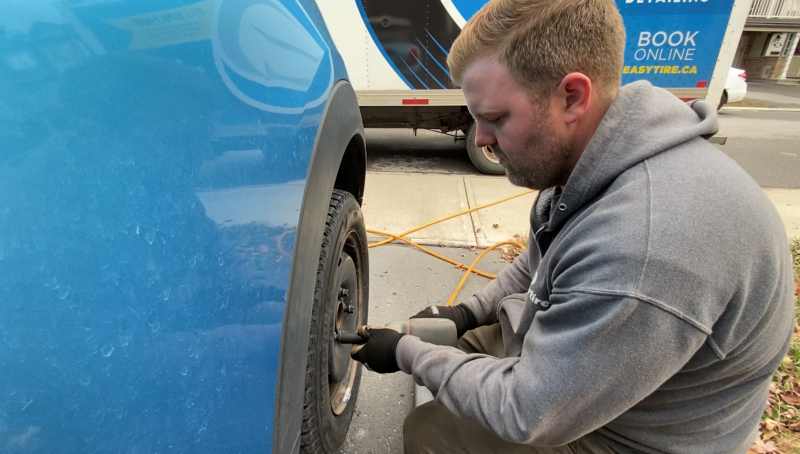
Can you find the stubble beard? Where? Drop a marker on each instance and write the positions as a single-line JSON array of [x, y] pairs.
[[542, 164]]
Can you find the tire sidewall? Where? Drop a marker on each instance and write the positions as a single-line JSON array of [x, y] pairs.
[[333, 428], [477, 157]]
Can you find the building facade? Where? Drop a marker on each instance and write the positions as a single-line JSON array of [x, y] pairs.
[[769, 48]]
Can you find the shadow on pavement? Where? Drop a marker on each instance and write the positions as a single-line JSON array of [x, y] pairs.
[[398, 150]]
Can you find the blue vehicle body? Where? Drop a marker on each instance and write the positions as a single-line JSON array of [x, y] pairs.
[[165, 171]]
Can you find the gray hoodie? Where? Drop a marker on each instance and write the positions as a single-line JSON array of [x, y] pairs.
[[653, 304]]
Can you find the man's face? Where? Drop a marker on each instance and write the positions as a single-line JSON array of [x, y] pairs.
[[524, 134]]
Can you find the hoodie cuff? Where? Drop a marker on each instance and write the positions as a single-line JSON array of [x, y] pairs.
[[476, 308], [407, 349]]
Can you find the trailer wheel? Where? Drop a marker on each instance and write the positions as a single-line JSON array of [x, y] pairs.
[[482, 157], [340, 305]]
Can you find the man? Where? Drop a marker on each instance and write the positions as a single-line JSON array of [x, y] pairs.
[[655, 298]]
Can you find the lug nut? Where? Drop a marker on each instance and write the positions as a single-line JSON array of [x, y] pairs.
[[350, 309], [343, 292]]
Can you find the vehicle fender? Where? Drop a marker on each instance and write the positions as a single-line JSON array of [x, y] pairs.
[[340, 123]]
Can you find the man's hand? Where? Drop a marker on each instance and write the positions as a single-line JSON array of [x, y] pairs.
[[378, 353], [461, 315]]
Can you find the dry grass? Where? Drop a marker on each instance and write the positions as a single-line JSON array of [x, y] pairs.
[[510, 252], [780, 425]]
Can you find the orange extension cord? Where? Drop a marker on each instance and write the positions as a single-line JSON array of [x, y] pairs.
[[471, 267]]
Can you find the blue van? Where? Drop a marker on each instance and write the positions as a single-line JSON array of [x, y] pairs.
[[180, 228]]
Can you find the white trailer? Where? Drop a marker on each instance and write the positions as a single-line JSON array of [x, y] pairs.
[[395, 53]]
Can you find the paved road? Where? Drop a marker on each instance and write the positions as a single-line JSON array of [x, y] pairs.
[[774, 94], [398, 150], [403, 280], [765, 144]]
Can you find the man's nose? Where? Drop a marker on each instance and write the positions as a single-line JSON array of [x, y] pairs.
[[483, 138]]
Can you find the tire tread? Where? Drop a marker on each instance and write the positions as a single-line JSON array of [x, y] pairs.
[[310, 439]]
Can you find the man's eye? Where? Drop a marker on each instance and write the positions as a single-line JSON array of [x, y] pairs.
[[493, 120]]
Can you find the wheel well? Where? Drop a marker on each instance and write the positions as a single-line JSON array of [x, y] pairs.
[[353, 168]]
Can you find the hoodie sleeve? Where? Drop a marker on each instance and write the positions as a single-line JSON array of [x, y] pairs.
[[513, 279], [585, 361]]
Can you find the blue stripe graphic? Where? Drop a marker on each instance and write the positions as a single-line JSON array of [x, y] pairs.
[[437, 43], [433, 58], [415, 75], [426, 70]]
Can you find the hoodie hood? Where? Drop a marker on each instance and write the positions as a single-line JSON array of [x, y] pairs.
[[642, 122]]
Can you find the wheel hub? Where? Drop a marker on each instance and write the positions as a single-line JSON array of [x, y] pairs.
[[342, 368], [487, 151]]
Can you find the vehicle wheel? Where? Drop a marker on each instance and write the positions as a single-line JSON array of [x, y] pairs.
[[340, 304], [723, 100], [482, 157]]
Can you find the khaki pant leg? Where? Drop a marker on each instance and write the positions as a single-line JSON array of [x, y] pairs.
[[487, 340], [433, 429]]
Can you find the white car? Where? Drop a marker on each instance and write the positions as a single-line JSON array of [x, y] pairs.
[[735, 87]]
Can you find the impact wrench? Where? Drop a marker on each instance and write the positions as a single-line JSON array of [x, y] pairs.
[[439, 331]]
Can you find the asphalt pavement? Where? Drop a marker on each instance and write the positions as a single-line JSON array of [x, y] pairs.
[[766, 144], [775, 95], [418, 173], [403, 151]]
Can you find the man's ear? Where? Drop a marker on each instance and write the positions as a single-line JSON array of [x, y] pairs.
[[574, 94]]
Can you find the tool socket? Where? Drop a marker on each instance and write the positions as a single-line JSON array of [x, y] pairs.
[[350, 338]]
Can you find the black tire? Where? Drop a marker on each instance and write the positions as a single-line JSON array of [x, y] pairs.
[[344, 252], [484, 160], [723, 100]]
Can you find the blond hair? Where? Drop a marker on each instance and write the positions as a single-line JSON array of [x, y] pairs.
[[541, 41]]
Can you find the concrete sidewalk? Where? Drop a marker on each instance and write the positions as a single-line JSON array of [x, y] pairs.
[[396, 202]]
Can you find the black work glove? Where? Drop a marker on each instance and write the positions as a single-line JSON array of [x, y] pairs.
[[378, 353], [461, 315]]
